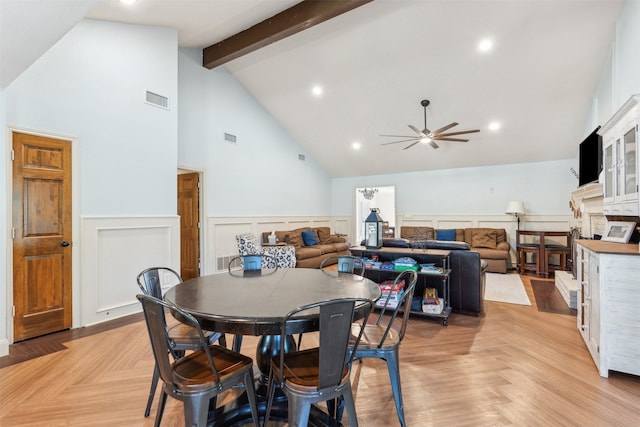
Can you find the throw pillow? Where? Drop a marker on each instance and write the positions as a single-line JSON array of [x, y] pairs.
[[309, 238], [446, 235], [483, 239], [293, 239], [324, 235]]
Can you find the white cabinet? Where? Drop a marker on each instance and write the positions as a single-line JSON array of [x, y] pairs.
[[620, 160], [609, 304]]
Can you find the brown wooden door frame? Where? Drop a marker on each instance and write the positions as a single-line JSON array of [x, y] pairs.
[[75, 225], [201, 217]]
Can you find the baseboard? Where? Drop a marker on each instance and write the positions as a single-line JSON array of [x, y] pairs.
[[4, 347]]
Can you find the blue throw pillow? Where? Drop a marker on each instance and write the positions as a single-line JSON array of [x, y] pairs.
[[309, 238], [446, 235]]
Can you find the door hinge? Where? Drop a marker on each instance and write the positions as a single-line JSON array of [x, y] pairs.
[[198, 224], [13, 156], [13, 233], [13, 311]]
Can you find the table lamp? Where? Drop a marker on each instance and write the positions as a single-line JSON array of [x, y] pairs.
[[516, 208]]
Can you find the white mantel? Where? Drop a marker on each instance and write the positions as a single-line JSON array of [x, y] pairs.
[[586, 203]]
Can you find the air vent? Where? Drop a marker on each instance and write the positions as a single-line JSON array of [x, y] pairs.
[[301, 157], [157, 100], [230, 138], [223, 263]]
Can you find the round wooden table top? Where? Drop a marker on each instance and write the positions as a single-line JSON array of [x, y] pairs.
[[247, 303]]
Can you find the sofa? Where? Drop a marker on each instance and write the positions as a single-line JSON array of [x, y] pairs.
[[490, 243], [311, 253]]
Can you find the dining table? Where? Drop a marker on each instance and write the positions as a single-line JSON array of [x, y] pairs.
[[255, 303]]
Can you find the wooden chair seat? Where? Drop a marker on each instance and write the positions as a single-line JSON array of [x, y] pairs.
[[189, 375], [302, 370]]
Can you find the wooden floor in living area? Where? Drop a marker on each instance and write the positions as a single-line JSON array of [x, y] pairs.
[[515, 365]]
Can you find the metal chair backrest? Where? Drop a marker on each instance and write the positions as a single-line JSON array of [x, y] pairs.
[[150, 280], [153, 309], [410, 278], [335, 320], [254, 262], [346, 264]]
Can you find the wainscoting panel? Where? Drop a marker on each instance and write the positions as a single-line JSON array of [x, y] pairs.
[[115, 251]]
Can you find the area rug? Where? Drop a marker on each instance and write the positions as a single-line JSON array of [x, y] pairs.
[[548, 298], [505, 288]]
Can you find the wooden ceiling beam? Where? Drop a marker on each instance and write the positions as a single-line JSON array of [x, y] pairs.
[[297, 18]]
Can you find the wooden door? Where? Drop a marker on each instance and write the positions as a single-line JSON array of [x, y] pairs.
[[189, 211], [41, 235]]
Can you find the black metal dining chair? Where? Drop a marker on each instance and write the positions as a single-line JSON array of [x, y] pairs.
[[251, 264], [199, 377], [381, 340], [183, 337], [321, 373], [345, 264]]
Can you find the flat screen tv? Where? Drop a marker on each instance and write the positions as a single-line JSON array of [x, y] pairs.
[[590, 160]]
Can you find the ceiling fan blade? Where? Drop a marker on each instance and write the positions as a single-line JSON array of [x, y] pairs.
[[403, 140], [411, 145], [401, 136], [462, 132], [453, 139], [442, 129], [433, 144], [418, 131]]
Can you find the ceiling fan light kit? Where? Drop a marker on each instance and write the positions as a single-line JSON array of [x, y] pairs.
[[426, 136]]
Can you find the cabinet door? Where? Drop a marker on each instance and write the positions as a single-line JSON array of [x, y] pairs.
[[630, 187], [609, 171], [594, 304]]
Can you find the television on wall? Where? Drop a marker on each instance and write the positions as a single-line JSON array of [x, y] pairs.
[[590, 159]]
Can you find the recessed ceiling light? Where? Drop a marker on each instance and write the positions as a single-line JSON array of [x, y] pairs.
[[127, 2], [356, 146], [485, 45], [494, 126], [316, 90]]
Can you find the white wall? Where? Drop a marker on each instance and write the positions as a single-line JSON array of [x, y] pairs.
[[258, 175], [544, 187], [620, 76], [91, 87]]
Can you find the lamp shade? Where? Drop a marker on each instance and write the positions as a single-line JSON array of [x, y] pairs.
[[515, 208]]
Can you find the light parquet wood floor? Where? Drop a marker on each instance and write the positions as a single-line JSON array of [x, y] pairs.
[[513, 366]]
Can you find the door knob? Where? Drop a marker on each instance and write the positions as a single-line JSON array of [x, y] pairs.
[[64, 244]]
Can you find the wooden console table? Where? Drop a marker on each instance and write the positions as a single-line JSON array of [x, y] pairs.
[[542, 251]]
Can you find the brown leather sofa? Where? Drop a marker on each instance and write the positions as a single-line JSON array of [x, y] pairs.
[[311, 256], [490, 243]]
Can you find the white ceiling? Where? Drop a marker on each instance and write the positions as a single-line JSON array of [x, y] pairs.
[[378, 61]]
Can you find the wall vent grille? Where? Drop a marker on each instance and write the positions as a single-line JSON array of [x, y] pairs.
[[301, 157], [157, 100], [223, 263], [230, 138]]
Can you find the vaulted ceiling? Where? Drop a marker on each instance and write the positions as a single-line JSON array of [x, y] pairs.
[[377, 62]]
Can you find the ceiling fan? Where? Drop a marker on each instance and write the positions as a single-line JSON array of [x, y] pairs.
[[430, 137]]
